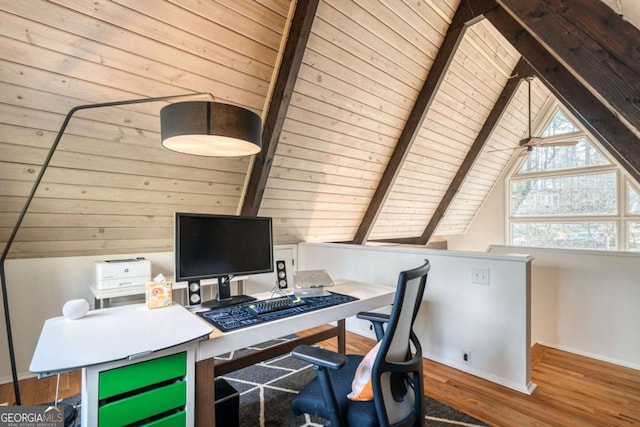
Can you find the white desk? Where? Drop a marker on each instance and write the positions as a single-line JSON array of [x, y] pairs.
[[113, 338], [107, 338]]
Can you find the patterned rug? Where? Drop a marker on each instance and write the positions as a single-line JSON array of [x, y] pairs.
[[265, 391]]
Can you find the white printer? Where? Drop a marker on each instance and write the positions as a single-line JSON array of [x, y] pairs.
[[119, 273]]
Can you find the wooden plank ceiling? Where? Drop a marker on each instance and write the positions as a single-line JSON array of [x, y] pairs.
[[341, 101]]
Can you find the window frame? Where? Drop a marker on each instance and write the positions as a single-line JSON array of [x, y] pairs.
[[622, 217]]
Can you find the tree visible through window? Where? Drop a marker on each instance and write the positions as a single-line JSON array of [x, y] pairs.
[[564, 194]]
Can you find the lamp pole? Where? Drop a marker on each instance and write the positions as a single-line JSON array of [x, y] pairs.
[[36, 184]]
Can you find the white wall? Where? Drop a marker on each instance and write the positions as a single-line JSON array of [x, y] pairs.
[[491, 322], [38, 288], [585, 302]]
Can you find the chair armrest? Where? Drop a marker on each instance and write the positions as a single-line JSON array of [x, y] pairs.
[[319, 356], [377, 319], [373, 317]]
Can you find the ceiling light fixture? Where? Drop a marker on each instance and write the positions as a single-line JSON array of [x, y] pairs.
[[210, 129]]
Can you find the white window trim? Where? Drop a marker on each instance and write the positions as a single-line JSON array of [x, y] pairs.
[[622, 217]]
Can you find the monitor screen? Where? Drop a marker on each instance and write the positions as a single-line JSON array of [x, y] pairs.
[[213, 246]]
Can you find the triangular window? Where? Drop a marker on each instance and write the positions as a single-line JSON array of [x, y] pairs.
[[556, 153]]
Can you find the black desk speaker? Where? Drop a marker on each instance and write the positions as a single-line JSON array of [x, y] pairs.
[[193, 293], [281, 272]]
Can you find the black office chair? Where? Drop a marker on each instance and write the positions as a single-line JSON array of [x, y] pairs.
[[396, 374]]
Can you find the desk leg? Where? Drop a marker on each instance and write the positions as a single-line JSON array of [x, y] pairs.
[[342, 337], [205, 398]]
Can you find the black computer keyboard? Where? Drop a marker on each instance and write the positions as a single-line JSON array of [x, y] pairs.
[[274, 304], [234, 317]]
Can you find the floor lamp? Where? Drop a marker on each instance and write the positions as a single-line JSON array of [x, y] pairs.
[[205, 128]]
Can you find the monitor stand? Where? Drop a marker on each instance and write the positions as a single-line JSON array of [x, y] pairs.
[[224, 297]]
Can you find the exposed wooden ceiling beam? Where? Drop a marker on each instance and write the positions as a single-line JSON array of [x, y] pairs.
[[465, 16], [520, 71], [593, 42], [620, 141], [292, 58]]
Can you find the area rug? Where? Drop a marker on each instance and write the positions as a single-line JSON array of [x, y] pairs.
[[266, 390]]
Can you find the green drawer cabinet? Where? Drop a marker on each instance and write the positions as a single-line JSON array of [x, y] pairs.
[[136, 392]]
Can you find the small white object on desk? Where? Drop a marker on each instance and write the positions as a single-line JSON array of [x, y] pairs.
[[75, 309]]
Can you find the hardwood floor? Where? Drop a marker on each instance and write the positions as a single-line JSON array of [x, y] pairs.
[[572, 390]]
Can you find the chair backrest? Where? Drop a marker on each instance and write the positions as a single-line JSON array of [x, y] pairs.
[[397, 370]]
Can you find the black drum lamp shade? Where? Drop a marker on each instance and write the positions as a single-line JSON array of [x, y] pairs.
[[210, 129]]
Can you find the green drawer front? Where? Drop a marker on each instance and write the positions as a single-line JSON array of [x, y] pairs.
[[176, 420], [132, 377], [143, 405]]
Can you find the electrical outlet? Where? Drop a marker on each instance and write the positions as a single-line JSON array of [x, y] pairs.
[[466, 357], [480, 276]]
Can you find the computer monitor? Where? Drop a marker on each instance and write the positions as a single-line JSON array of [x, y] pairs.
[[209, 246]]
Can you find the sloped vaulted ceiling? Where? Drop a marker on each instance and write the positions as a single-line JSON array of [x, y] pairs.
[[383, 119]]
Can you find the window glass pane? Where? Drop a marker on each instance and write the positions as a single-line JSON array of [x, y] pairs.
[[634, 201], [575, 235], [559, 125], [546, 158], [634, 236], [588, 194]]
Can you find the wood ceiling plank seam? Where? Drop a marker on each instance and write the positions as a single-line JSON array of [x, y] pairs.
[[521, 69], [36, 100], [482, 69], [317, 187], [340, 93], [325, 139], [491, 59], [325, 168], [97, 52], [456, 84], [442, 10], [417, 23], [281, 7], [340, 115], [449, 102], [344, 45], [260, 13], [54, 175], [334, 21], [608, 129], [311, 177], [347, 141], [170, 21], [346, 152], [34, 220], [369, 23], [313, 154], [234, 20], [86, 207], [44, 59], [432, 14], [605, 65], [400, 27], [466, 66], [490, 40], [102, 32], [320, 50], [487, 34], [84, 192], [455, 115]]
